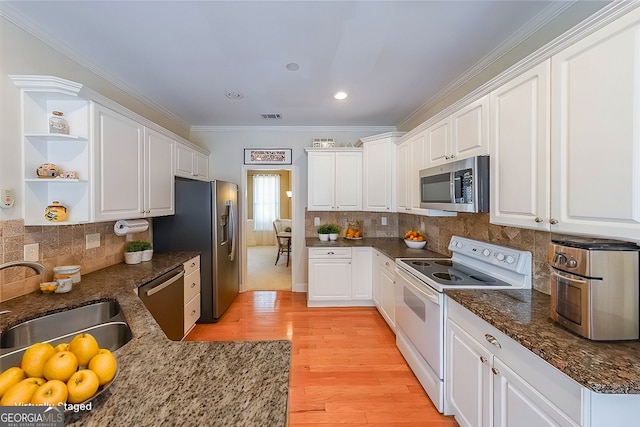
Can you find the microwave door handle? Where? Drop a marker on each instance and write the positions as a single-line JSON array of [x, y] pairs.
[[452, 187]]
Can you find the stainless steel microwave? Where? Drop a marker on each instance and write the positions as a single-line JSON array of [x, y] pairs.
[[460, 186]]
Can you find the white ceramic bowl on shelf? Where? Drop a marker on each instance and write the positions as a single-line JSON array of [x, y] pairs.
[[415, 244]]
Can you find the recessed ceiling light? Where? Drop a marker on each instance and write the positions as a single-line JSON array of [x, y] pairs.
[[234, 95], [340, 95], [292, 66]]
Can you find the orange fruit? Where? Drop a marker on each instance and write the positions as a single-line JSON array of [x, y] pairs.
[[82, 385], [35, 357], [84, 346], [104, 364], [52, 393], [60, 366], [21, 393], [10, 377]]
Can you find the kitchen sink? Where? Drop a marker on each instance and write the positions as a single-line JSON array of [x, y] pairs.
[[110, 335], [58, 324]]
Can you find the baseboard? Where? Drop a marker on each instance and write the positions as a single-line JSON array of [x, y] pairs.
[[299, 287]]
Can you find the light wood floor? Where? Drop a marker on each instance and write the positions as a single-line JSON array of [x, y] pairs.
[[345, 367]]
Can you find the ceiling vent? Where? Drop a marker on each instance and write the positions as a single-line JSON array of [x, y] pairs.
[[271, 116]]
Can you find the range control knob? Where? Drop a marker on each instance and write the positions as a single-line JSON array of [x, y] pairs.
[[456, 244], [572, 263], [500, 256], [486, 252], [559, 258], [510, 259]]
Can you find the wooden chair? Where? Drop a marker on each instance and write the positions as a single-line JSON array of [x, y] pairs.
[[284, 243]]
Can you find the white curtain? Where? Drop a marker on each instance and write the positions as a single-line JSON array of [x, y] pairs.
[[266, 207]]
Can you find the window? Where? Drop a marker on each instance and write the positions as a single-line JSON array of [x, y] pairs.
[[266, 201]]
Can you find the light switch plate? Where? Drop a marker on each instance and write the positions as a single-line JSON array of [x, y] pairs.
[[32, 252], [316, 221], [383, 220], [92, 240]]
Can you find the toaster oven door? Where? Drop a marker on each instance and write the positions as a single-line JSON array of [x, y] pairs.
[[570, 302]]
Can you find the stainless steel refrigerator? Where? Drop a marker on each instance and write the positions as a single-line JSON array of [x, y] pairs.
[[205, 220]]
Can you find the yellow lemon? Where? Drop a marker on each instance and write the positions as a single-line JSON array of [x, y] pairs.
[[10, 377], [21, 393], [62, 347], [35, 357]]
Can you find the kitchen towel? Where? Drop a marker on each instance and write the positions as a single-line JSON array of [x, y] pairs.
[[128, 226]]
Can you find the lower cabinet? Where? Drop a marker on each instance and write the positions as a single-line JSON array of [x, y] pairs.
[[383, 285], [191, 293], [331, 277], [493, 381]]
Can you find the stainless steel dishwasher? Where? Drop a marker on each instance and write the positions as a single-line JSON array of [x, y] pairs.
[[164, 298]]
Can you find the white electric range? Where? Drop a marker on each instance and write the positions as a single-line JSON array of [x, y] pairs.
[[419, 301]]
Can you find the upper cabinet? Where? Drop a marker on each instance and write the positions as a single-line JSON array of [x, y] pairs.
[[379, 172], [462, 135], [110, 163], [334, 179], [595, 132], [191, 163], [520, 134]]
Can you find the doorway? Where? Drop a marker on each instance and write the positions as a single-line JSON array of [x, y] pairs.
[[267, 196]]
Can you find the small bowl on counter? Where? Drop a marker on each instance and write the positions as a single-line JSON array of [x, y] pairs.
[[415, 244], [48, 287]]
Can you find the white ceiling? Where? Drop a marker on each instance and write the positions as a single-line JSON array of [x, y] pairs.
[[392, 57]]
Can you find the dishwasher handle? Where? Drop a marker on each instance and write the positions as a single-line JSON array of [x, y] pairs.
[[163, 285]]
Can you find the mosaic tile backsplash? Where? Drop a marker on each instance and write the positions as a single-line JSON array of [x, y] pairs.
[[59, 245], [438, 231]]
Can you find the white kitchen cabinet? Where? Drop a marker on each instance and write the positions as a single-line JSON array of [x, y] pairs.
[[191, 293], [492, 380], [70, 152], [387, 305], [379, 172], [520, 144], [403, 159], [462, 135], [334, 179], [133, 168], [191, 163], [595, 137], [362, 273]]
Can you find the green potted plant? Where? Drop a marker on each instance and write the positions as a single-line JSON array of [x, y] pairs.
[[334, 230], [323, 232], [133, 252], [147, 250]]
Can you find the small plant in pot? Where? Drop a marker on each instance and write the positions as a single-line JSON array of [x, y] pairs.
[[334, 230], [323, 232], [133, 252], [147, 250]]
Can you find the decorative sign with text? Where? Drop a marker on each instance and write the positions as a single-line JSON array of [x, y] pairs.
[[267, 156]]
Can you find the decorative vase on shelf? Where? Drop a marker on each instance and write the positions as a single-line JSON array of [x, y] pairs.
[[56, 212], [133, 257], [58, 124], [323, 237]]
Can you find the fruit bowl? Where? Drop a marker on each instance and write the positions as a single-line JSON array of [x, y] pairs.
[[415, 244]]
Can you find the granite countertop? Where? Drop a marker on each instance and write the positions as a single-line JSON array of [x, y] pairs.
[[159, 380], [604, 367], [393, 247]]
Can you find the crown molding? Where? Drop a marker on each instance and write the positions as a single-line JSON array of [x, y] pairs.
[[293, 128]]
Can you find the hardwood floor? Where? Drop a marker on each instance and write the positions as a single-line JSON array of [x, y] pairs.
[[345, 367]]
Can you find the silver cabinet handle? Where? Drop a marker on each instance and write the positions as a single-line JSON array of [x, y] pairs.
[[492, 340], [538, 219], [553, 221], [165, 284], [483, 359], [495, 371]]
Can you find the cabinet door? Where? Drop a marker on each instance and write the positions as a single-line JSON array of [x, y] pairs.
[[361, 274], [403, 171], [387, 293], [438, 149], [321, 185], [515, 402], [418, 148], [348, 181], [201, 164], [329, 280], [376, 278], [158, 173], [378, 184], [119, 166], [470, 130], [520, 137], [468, 379], [184, 161], [595, 135]]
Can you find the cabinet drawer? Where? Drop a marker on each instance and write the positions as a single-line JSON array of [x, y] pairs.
[[191, 312], [191, 285], [329, 252], [191, 265]]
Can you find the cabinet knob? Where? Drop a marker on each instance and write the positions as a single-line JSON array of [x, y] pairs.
[[492, 340], [193, 285], [193, 312], [483, 359], [331, 253], [387, 263], [193, 264], [538, 219], [452, 156], [447, 157], [495, 371], [553, 221]]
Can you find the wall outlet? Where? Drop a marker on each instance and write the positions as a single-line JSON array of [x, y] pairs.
[[383, 220], [422, 227], [92, 240], [32, 252], [316, 221]]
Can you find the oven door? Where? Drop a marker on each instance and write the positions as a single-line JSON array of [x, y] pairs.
[[570, 302], [420, 332]]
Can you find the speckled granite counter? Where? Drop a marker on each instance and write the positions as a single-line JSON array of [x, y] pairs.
[[604, 367], [393, 247], [165, 382]]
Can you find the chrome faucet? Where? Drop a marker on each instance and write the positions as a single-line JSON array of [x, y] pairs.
[[39, 268]]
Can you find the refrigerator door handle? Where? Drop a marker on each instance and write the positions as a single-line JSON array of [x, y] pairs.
[[232, 231]]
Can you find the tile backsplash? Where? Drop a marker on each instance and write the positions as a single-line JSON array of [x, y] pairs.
[[59, 245], [438, 231]]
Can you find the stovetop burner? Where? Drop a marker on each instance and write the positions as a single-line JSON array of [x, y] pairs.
[[445, 262], [450, 273], [447, 276]]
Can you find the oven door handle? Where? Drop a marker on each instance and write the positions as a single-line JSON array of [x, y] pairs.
[[427, 293]]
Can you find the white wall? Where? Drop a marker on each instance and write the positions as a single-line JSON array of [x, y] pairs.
[[227, 160]]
